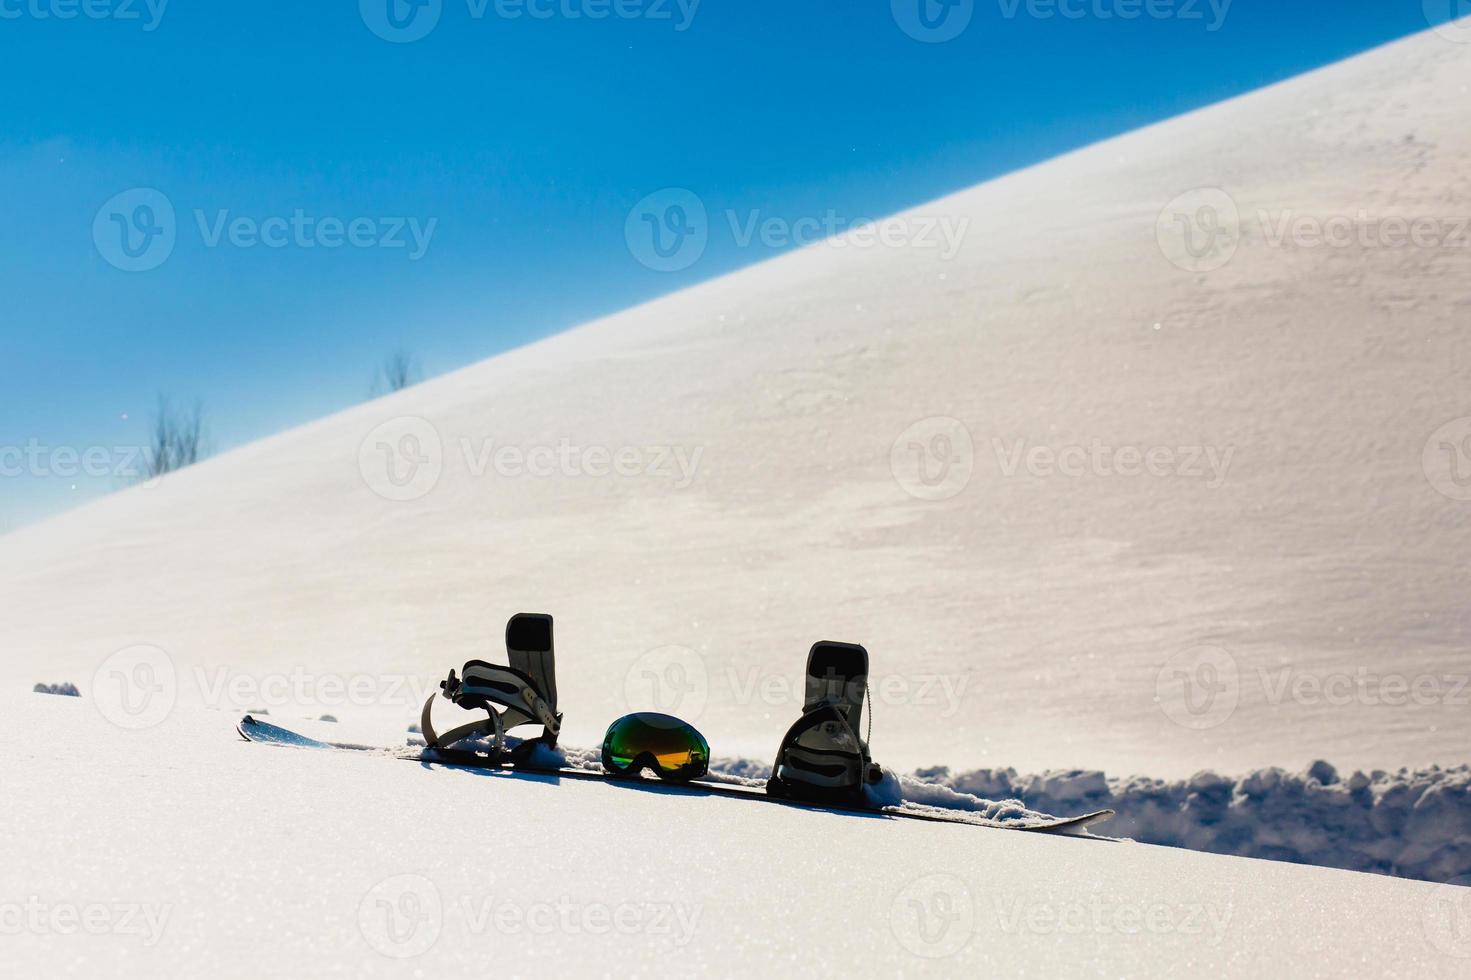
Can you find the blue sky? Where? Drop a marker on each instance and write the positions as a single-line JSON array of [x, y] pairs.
[[457, 179]]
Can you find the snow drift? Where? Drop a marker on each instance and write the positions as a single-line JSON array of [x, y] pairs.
[[1411, 823]]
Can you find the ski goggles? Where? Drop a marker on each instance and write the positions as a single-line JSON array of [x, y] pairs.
[[673, 749]]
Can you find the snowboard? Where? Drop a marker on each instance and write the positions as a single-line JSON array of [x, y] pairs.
[[265, 733]]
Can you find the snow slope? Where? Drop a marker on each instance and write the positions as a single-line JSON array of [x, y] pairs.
[[1303, 557], [854, 427], [185, 852]]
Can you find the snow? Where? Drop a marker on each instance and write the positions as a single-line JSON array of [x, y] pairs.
[[1029, 620], [857, 444], [189, 852], [1415, 823], [1412, 823]]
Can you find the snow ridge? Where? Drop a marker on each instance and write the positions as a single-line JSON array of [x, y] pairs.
[[1412, 823], [1409, 823]]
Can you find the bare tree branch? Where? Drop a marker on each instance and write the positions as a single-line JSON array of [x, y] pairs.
[[177, 439], [399, 370]]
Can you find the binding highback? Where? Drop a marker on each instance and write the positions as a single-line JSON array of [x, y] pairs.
[[822, 758], [837, 674], [524, 693], [529, 650]]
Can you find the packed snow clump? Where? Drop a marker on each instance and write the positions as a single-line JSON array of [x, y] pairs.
[[1410, 823]]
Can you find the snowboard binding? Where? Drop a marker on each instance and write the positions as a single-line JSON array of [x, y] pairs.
[[822, 759], [524, 693]]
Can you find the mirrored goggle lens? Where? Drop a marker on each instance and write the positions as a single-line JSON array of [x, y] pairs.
[[674, 745]]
